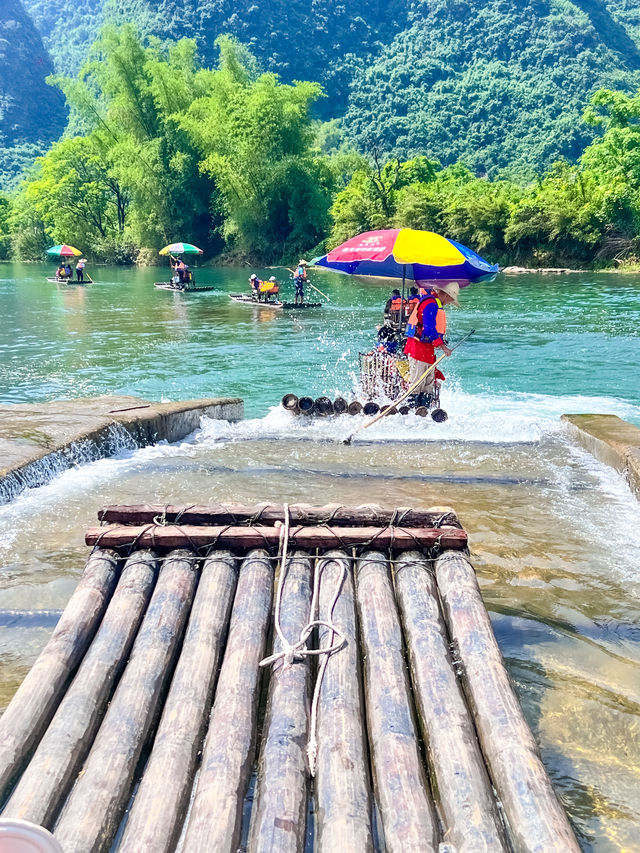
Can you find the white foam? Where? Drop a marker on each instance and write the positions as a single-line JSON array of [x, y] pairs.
[[485, 417]]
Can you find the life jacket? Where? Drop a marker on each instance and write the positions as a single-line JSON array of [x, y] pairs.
[[396, 303], [415, 328], [411, 304]]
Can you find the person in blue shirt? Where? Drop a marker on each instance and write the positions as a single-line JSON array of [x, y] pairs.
[[299, 278]]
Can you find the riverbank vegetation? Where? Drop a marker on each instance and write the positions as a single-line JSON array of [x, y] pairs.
[[161, 148]]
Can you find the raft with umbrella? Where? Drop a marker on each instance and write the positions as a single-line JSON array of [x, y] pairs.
[[185, 284], [423, 257], [64, 250]]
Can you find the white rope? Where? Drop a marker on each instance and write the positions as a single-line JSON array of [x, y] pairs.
[[291, 652], [312, 746]]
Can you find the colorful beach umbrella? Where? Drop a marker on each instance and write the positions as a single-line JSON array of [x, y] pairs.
[[406, 253], [180, 249], [64, 251]]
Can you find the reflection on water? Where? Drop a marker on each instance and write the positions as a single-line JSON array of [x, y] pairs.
[[554, 535]]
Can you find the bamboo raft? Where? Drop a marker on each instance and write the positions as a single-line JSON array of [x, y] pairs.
[[321, 407], [137, 729]]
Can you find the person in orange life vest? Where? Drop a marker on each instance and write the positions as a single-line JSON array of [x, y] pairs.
[[412, 301], [425, 332], [393, 308], [270, 288]]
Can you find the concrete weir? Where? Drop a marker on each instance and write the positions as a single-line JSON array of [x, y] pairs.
[[389, 721], [611, 440], [40, 440]]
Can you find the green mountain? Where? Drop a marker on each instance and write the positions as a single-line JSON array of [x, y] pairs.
[[32, 114], [499, 84]]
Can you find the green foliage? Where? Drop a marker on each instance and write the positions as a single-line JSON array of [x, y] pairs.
[[174, 151], [5, 228], [31, 113], [255, 135], [146, 190], [498, 85], [582, 214]]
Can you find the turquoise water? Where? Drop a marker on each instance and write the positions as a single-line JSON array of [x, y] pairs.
[[555, 535], [562, 337]]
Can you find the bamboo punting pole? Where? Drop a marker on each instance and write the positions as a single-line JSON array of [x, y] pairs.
[[215, 821], [342, 788], [407, 816], [35, 702], [161, 801], [93, 811], [536, 819], [64, 746], [203, 536], [267, 514], [278, 818], [467, 805]]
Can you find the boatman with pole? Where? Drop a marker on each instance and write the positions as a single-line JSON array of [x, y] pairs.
[[426, 329]]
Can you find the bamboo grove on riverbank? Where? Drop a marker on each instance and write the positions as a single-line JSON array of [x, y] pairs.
[[137, 727]]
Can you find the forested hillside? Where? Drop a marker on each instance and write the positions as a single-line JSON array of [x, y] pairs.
[[500, 84], [32, 114]]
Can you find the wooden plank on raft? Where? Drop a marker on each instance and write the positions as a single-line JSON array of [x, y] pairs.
[[191, 536], [405, 807], [35, 702], [335, 515], [95, 806], [215, 820], [161, 801], [278, 817], [55, 764], [343, 802], [466, 803], [536, 818]]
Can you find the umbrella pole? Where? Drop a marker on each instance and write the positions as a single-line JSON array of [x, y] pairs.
[[402, 311]]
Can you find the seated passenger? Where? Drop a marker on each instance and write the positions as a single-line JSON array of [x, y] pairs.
[[393, 310], [269, 288]]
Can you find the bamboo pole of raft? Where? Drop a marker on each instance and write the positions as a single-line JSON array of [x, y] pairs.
[[52, 770], [278, 818], [183, 536], [342, 788], [465, 797], [536, 819], [215, 821], [161, 801], [368, 515], [35, 702], [406, 811], [93, 811]]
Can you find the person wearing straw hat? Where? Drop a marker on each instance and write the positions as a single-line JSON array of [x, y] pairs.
[[425, 332], [80, 265], [299, 278]]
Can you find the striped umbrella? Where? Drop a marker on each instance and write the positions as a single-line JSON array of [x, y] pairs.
[[406, 253], [64, 251], [180, 249]]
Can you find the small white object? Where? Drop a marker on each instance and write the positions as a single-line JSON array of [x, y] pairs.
[[22, 836]]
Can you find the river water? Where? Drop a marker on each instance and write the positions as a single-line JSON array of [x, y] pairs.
[[555, 536]]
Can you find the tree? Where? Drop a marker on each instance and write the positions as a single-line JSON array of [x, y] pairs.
[[255, 137]]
